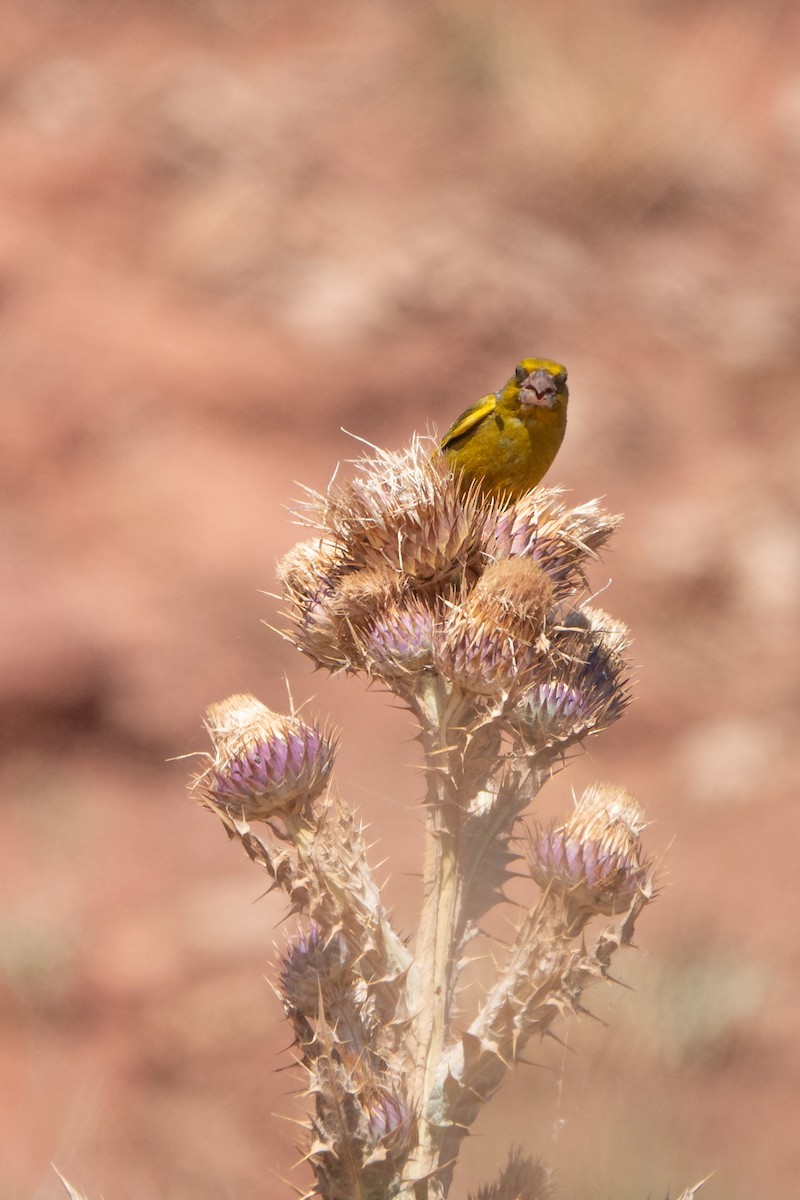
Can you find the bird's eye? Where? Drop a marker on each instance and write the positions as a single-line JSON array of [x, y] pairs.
[[521, 373], [560, 379]]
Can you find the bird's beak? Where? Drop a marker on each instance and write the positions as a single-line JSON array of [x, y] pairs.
[[539, 389]]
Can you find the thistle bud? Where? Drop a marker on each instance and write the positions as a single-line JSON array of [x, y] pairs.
[[309, 574], [403, 509], [399, 642], [362, 596], [582, 687], [595, 859], [551, 711], [265, 764], [611, 635], [310, 567], [560, 540], [390, 1120], [316, 632], [520, 1179], [515, 594], [479, 656], [327, 622], [312, 966], [489, 640]]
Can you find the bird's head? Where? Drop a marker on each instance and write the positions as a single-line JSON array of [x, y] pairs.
[[537, 383]]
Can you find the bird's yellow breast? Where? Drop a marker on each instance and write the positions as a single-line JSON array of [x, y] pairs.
[[506, 446]]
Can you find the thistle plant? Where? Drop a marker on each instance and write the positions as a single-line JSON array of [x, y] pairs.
[[474, 614]]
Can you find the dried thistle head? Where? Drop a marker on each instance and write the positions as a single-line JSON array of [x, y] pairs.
[[309, 567], [327, 620], [398, 643], [265, 764], [559, 539], [412, 571], [489, 639], [580, 687], [309, 572], [363, 1127], [522, 1178], [514, 593], [403, 509], [312, 968], [594, 862], [362, 597]]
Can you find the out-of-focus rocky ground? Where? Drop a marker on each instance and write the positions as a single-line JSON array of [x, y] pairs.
[[231, 230]]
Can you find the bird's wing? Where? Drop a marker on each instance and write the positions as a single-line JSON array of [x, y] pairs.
[[469, 419]]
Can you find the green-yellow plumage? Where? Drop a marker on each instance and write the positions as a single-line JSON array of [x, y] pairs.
[[506, 442]]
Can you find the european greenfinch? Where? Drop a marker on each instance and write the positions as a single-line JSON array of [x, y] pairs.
[[506, 442]]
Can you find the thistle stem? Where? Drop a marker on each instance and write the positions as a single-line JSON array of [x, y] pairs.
[[436, 967]]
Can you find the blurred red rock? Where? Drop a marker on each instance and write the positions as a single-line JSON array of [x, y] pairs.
[[232, 231]]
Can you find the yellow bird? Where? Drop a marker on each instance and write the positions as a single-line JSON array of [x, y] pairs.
[[506, 442]]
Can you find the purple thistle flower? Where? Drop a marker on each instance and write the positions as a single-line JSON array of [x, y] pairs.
[[390, 1120], [560, 540], [310, 968], [585, 689], [265, 764], [594, 859], [400, 641]]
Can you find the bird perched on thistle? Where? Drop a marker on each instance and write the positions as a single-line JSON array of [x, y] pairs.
[[506, 442]]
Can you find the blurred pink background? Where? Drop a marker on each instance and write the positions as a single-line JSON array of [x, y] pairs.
[[231, 230]]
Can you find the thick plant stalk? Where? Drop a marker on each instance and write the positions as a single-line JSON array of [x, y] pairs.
[[471, 613], [433, 986]]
